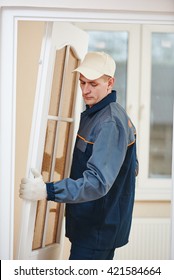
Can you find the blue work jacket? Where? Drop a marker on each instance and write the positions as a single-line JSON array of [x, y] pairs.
[[99, 194]]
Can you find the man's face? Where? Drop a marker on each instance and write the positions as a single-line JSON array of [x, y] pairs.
[[95, 90]]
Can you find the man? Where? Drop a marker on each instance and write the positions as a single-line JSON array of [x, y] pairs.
[[99, 194]]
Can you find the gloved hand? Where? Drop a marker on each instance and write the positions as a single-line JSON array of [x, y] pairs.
[[33, 189]]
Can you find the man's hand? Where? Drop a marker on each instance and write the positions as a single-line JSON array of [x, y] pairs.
[[33, 189]]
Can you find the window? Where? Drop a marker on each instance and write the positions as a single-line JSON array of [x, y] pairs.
[[161, 109], [156, 111], [144, 55], [116, 44]]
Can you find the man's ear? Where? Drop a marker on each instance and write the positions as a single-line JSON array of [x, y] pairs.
[[111, 83]]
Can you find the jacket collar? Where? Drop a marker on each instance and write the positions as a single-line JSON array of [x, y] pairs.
[[111, 97]]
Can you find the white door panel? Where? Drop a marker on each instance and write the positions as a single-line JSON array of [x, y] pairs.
[[57, 36]]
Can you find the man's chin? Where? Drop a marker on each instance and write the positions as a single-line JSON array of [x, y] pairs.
[[90, 103]]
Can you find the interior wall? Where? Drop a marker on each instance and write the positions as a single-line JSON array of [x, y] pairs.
[[29, 43], [152, 209], [109, 5]]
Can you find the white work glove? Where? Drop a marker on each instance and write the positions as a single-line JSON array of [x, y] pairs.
[[33, 188]]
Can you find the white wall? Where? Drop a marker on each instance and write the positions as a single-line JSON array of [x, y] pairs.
[[29, 44], [110, 5]]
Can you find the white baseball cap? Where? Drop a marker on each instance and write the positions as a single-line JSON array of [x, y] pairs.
[[97, 64]]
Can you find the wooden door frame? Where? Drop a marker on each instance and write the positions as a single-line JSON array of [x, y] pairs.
[[9, 17]]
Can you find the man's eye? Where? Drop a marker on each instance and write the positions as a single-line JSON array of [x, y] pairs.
[[93, 85]]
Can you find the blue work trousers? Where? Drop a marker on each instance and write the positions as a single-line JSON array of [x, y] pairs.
[[80, 253]]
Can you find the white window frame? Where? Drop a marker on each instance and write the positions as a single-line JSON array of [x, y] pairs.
[[9, 17], [149, 188]]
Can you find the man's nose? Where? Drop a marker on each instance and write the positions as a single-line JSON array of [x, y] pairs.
[[86, 89]]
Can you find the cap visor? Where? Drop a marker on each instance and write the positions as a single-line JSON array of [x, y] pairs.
[[90, 74]]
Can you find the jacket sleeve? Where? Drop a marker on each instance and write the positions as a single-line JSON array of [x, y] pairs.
[[103, 166]]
